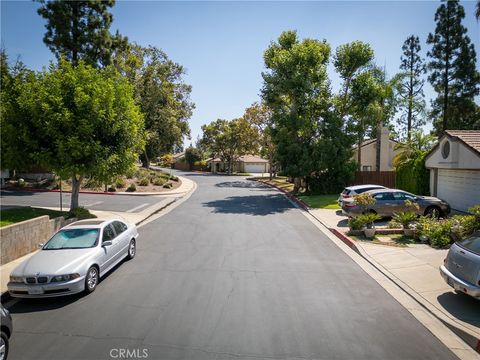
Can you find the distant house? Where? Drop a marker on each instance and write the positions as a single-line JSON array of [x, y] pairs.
[[369, 153], [454, 165], [244, 164]]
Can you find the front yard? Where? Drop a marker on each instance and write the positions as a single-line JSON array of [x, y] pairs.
[[15, 215], [314, 201]]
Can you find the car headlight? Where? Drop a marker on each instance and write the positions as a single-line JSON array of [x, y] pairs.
[[67, 277], [16, 279]]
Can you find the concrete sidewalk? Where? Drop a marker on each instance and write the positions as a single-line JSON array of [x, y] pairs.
[[415, 269], [138, 218]]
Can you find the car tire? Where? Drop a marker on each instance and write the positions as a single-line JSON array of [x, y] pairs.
[[91, 279], [4, 346], [132, 249], [433, 212]]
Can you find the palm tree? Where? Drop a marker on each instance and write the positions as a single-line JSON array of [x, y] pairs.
[[412, 149]]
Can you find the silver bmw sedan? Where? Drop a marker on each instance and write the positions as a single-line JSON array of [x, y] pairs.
[[74, 259]]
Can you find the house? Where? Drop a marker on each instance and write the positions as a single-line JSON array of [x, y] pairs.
[[369, 153], [244, 164], [454, 164]]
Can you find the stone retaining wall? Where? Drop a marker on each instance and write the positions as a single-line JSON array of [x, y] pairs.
[[22, 238]]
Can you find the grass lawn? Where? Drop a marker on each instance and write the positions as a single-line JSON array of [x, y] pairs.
[[313, 201], [11, 216]]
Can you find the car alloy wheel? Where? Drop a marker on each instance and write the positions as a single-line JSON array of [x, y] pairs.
[[91, 280], [132, 249], [3, 346]]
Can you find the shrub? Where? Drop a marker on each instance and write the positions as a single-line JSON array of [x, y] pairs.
[[174, 178], [364, 199], [80, 213], [167, 185], [112, 188], [475, 211], [413, 176], [437, 231], [404, 218], [93, 184], [355, 223], [159, 181], [120, 183], [368, 219], [463, 226], [144, 181], [132, 187], [129, 174]]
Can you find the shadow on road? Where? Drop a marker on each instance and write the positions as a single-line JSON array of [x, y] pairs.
[[461, 306], [242, 184], [13, 193], [251, 205]]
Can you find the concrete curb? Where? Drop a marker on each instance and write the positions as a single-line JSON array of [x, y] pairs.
[[469, 339]]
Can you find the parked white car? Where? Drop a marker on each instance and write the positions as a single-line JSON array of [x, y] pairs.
[[350, 191], [74, 259]]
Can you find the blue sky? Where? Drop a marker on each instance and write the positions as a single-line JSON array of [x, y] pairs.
[[221, 44]]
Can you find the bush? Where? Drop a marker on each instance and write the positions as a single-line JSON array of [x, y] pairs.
[[159, 181], [93, 184], [404, 218], [437, 231], [132, 187], [463, 226], [167, 185], [413, 176], [144, 181], [174, 178], [80, 213], [112, 188], [120, 183], [355, 223], [368, 219]]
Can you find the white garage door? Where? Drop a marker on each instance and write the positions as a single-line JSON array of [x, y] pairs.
[[460, 188], [255, 168]]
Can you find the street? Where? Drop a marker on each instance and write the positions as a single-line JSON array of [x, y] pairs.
[[235, 272], [125, 203]]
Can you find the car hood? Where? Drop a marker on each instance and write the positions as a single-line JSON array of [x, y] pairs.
[[430, 199], [53, 262]]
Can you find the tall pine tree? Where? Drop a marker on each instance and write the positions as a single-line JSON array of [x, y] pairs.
[[453, 72], [79, 30], [410, 88]]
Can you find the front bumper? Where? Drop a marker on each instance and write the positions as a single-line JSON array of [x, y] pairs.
[[459, 284], [22, 290]]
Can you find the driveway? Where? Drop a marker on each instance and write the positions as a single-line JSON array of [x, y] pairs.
[[235, 272]]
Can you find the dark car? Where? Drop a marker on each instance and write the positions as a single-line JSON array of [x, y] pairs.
[[7, 328], [390, 201], [461, 269]]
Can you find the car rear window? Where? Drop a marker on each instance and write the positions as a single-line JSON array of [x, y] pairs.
[[472, 243]]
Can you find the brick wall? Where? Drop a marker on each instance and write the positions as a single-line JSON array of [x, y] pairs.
[[20, 239]]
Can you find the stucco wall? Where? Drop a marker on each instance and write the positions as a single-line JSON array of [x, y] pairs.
[[460, 157], [369, 155], [19, 239]]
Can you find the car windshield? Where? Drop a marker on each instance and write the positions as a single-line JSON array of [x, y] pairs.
[[73, 239], [472, 243]]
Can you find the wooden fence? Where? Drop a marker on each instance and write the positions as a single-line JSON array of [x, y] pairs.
[[385, 178]]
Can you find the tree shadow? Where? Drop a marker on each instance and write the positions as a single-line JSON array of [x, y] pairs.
[[258, 205], [461, 306], [15, 193], [242, 184]]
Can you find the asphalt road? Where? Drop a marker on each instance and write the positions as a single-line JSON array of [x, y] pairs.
[[124, 203], [235, 272]]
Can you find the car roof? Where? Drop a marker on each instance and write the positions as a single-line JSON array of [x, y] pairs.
[[356, 187], [92, 223], [376, 191]]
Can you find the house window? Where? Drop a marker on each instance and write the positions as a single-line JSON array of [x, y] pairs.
[[446, 149], [366, 168]]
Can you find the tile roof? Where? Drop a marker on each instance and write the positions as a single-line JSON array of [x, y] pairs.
[[471, 138]]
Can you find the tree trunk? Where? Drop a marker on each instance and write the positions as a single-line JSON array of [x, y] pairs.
[[270, 165], [296, 184], [75, 191], [145, 160], [379, 146], [359, 152], [445, 80], [410, 99]]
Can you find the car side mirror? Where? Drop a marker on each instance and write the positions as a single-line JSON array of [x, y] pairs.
[[40, 245], [107, 243]]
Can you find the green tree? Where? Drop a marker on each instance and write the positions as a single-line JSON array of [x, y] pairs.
[[410, 86], [349, 59], [477, 10], [409, 163], [229, 140], [162, 95], [191, 156], [79, 30], [260, 117], [453, 72], [76, 121], [296, 89]]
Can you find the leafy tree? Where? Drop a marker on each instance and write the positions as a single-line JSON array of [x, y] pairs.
[[162, 95], [410, 86], [79, 30], [229, 140], [477, 10], [453, 72], [409, 163], [260, 117], [349, 59], [191, 156], [76, 121]]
